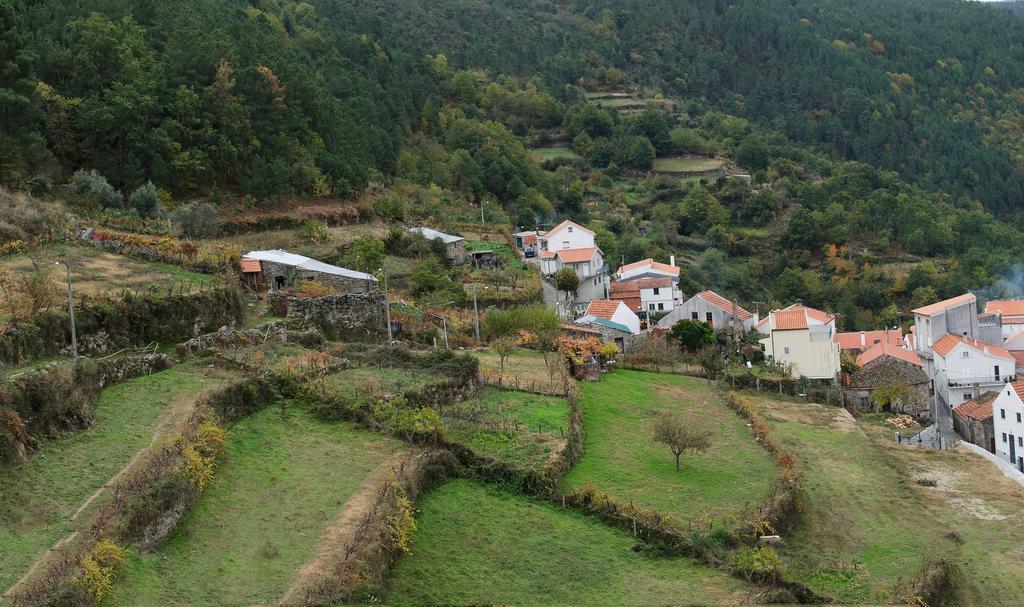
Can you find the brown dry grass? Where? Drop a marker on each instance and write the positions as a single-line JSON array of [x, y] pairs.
[[292, 240]]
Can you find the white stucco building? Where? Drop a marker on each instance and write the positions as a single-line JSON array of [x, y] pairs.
[[803, 339], [648, 268], [966, 368], [1008, 424]]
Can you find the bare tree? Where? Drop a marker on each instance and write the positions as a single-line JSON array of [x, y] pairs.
[[710, 361], [503, 347], [680, 434]]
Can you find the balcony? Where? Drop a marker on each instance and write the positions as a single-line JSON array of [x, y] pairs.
[[961, 382]]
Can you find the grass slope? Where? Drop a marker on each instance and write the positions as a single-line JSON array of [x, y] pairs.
[[478, 545], [864, 526], [246, 537], [37, 497], [621, 457], [682, 164], [527, 367]]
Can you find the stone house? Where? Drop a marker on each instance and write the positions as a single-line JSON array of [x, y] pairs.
[[278, 269], [973, 421], [615, 322], [887, 365], [711, 309], [455, 246]]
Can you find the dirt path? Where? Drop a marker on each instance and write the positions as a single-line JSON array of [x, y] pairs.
[[338, 533], [170, 423]]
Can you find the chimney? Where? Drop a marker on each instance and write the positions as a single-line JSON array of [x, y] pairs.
[[672, 260], [863, 339], [965, 336], [986, 349]]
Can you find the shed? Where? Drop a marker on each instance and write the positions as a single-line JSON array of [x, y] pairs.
[[455, 246]]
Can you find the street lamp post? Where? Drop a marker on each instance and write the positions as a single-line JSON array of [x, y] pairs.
[[71, 306], [476, 314]]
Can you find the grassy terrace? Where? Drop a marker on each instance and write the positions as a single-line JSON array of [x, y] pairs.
[[622, 459], [553, 153], [96, 272], [38, 497], [515, 427], [244, 540], [680, 164], [875, 511], [293, 240], [526, 366], [360, 381], [478, 545]]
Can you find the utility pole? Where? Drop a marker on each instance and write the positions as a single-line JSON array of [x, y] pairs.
[[71, 306], [387, 304], [482, 203], [476, 315]]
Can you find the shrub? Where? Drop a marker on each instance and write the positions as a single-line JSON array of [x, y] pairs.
[[402, 523], [504, 323], [98, 568], [197, 219], [366, 254], [390, 208], [145, 200], [760, 563], [93, 188], [314, 230]]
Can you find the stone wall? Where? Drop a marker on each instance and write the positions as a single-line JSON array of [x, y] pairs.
[[343, 284], [975, 431], [226, 337], [348, 317], [889, 371]]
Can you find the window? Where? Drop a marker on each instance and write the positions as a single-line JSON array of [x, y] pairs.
[[1002, 414], [997, 372], [694, 316], [1020, 441], [661, 306], [1018, 418], [565, 244], [709, 317], [965, 354], [1004, 437], [650, 306], [570, 229], [785, 350], [656, 290]]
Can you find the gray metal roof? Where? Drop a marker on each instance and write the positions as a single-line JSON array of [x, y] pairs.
[[432, 234], [306, 263]]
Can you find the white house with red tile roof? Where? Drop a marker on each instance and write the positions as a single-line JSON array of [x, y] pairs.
[[803, 339], [859, 341], [1011, 314], [814, 317], [965, 367], [1008, 424], [648, 268], [646, 296], [611, 311], [712, 309], [570, 245], [958, 315]]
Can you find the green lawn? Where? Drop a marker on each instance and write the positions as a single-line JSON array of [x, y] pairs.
[[679, 164], [553, 153], [247, 536], [362, 381], [622, 459], [620, 102], [508, 256], [515, 427], [478, 545], [38, 496]]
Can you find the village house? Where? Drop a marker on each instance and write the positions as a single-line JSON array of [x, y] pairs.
[[646, 296], [711, 309], [455, 246], [648, 268], [1008, 424], [965, 367], [528, 242], [973, 421], [1011, 314], [803, 340], [856, 342], [570, 245], [614, 320], [958, 315], [277, 269], [889, 365]]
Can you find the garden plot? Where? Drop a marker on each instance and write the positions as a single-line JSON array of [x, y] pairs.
[[524, 369], [553, 153], [295, 241], [477, 545], [96, 273], [874, 511], [282, 481], [368, 382], [686, 164], [517, 428], [622, 459], [38, 497]]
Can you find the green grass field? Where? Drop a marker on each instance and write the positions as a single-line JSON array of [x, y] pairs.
[[620, 102], [553, 153], [38, 496], [478, 545], [867, 523], [622, 459], [359, 381], [244, 540], [515, 427], [863, 527], [508, 256], [679, 164]]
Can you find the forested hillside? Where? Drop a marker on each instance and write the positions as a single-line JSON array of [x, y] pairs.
[[883, 137]]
